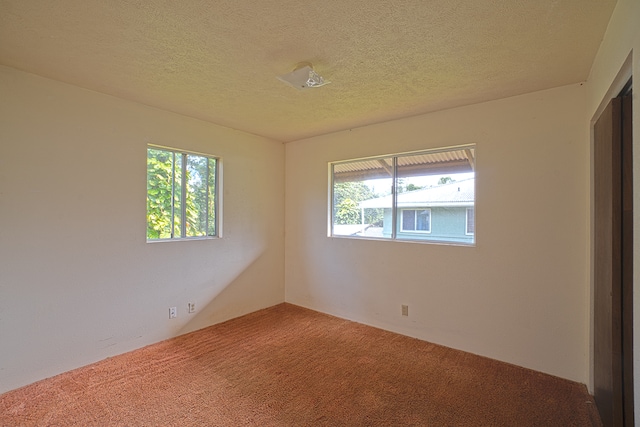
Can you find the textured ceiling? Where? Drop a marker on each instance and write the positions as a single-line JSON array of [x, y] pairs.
[[218, 60]]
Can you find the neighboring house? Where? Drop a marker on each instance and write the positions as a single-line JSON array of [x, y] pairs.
[[441, 213]]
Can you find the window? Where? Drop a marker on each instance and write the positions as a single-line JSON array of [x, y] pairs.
[[416, 220], [471, 221], [426, 196], [182, 193]]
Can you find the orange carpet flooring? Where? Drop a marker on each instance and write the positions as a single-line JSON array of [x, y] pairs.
[[289, 366]]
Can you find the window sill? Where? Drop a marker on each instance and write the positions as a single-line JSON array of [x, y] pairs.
[[183, 239]]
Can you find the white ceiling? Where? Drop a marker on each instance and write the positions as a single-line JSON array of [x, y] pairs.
[[218, 60]]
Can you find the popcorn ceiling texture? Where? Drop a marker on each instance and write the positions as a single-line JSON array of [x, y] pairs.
[[218, 61]]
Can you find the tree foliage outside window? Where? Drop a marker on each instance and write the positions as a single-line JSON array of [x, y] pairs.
[[181, 194], [347, 197], [404, 187]]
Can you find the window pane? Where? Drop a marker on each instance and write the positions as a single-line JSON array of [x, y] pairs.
[[177, 195], [211, 231], [159, 190], [196, 209], [408, 220], [423, 220], [438, 187], [471, 221], [362, 198], [181, 195], [433, 200]]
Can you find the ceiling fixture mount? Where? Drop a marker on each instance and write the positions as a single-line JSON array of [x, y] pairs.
[[303, 77]]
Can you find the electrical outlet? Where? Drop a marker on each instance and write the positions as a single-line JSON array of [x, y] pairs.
[[405, 310], [173, 312], [192, 307]]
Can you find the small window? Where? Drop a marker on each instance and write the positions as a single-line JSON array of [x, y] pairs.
[[416, 220], [425, 196], [182, 197], [471, 221]]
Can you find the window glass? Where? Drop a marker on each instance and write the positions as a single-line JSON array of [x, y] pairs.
[[181, 194], [423, 220], [361, 197], [416, 220], [212, 189], [408, 220], [426, 196], [176, 210], [471, 221]]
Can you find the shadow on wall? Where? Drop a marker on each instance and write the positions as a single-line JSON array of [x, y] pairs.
[[242, 294]]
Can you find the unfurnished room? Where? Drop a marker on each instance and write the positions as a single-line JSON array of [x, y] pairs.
[[356, 213]]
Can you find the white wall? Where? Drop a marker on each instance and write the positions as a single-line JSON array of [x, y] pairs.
[[78, 282], [617, 58], [522, 294]]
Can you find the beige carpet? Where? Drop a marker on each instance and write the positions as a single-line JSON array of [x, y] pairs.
[[288, 366]]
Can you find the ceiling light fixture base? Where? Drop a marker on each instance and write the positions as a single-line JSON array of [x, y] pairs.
[[303, 77]]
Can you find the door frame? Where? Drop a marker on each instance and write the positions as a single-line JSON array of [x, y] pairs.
[[622, 79]]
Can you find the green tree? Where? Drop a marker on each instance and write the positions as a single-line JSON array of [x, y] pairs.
[[445, 180], [346, 200], [164, 194], [413, 187], [200, 202], [159, 194], [403, 187], [348, 212]]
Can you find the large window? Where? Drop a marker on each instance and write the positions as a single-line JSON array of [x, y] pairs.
[[181, 195], [426, 196]]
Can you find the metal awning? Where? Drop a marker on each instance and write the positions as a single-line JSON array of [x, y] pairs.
[[420, 164]]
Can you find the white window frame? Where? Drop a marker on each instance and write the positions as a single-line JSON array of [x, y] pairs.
[[216, 191], [415, 219], [396, 228]]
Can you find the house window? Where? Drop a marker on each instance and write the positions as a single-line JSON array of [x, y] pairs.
[[418, 221], [182, 194], [471, 221], [425, 196]]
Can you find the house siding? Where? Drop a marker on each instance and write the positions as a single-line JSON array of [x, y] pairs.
[[448, 224]]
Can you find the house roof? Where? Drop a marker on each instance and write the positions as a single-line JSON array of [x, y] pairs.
[[218, 61], [459, 193]]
